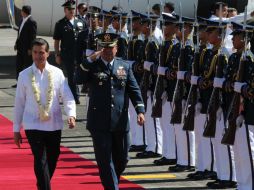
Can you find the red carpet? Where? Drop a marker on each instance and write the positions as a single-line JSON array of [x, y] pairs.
[[72, 173]]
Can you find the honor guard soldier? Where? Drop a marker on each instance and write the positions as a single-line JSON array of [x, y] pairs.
[[151, 54], [111, 84], [230, 110], [204, 46], [94, 29], [67, 35], [138, 135], [169, 53], [206, 140], [224, 71], [185, 140], [105, 20], [244, 140]]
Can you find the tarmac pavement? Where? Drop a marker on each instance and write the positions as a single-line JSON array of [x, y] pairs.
[[140, 171]]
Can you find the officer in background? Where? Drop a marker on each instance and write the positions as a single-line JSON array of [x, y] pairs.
[[112, 84], [82, 10], [82, 15], [26, 34], [69, 31]]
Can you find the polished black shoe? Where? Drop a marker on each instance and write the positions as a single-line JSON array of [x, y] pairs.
[[205, 175], [14, 86], [148, 154], [164, 161], [77, 101], [137, 148], [209, 184], [191, 175], [224, 184], [181, 168]]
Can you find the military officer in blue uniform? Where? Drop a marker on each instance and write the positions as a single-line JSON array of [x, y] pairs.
[[111, 83], [68, 34]]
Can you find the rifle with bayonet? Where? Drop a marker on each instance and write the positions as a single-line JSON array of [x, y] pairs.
[[189, 112], [159, 85], [233, 110], [130, 47], [103, 18], [215, 99], [176, 116], [91, 42]]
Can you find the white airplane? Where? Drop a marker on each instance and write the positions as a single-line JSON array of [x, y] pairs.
[[48, 12]]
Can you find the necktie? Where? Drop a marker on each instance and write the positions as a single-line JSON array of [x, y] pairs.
[[110, 67]]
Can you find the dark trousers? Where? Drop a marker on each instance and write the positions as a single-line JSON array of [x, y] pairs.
[[69, 68], [45, 147], [111, 153], [23, 60]]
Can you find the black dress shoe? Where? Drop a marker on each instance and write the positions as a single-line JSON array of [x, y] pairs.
[[137, 148], [77, 101], [191, 175], [224, 184], [148, 154], [164, 161], [14, 86], [181, 168], [206, 175], [209, 184]]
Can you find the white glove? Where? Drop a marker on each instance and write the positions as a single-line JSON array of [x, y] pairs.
[[161, 70], [198, 108], [219, 113], [164, 97], [147, 65], [89, 52], [218, 82], [194, 80], [180, 75], [149, 93], [130, 62], [239, 120], [238, 86]]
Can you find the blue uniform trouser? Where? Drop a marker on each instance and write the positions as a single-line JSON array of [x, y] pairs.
[[111, 153]]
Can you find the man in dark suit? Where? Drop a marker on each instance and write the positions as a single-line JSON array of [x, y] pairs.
[[111, 83], [26, 34]]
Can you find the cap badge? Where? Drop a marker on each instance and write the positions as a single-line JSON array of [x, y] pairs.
[[107, 38]]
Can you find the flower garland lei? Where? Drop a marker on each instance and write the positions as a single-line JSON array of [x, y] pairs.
[[43, 110]]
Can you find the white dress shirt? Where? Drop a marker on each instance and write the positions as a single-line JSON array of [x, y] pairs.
[[26, 110], [23, 23]]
